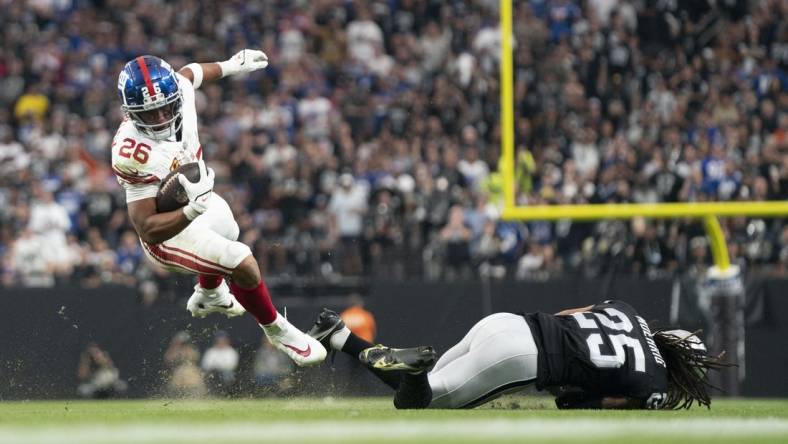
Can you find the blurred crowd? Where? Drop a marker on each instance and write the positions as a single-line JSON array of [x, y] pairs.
[[221, 369], [189, 373], [370, 145]]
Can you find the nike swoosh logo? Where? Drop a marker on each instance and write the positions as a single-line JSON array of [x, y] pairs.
[[305, 352]]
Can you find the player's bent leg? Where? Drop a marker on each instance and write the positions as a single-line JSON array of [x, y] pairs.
[[199, 250], [502, 357], [247, 273], [219, 219], [464, 346], [497, 355], [415, 390], [461, 348], [250, 290]]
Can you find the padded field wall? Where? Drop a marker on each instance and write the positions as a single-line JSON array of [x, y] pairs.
[[42, 331]]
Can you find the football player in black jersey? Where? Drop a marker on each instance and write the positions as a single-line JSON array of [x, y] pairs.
[[600, 356]]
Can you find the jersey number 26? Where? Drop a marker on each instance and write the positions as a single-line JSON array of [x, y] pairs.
[[132, 149]]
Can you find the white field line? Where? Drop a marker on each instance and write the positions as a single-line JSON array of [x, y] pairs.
[[423, 431]]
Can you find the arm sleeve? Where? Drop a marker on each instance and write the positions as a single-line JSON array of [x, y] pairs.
[[197, 73], [190, 134]]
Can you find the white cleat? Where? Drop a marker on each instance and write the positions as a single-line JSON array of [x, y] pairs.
[[218, 300], [303, 349]]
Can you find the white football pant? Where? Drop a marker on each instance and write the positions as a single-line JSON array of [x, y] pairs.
[[498, 355], [207, 246]]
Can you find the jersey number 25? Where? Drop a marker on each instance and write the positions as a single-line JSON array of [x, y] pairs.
[[618, 341]]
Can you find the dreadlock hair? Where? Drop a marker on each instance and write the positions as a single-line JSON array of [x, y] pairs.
[[688, 370]]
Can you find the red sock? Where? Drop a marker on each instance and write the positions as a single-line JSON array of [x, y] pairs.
[[256, 301], [209, 281]]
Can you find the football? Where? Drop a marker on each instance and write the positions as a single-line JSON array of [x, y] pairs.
[[171, 195]]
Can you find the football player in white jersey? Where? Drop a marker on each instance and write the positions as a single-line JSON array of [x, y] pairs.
[[158, 135]]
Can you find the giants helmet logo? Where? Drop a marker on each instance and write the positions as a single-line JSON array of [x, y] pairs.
[[122, 79]]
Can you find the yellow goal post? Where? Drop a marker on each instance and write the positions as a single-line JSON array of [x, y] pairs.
[[708, 211]]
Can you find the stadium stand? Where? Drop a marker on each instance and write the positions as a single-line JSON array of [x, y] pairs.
[[370, 145]]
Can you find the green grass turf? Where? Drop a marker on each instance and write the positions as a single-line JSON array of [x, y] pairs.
[[511, 419]]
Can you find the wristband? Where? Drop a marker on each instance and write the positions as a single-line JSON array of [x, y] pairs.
[[190, 212], [197, 73], [227, 67]]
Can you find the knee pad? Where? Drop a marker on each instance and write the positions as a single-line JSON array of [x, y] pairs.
[[233, 231], [235, 253]]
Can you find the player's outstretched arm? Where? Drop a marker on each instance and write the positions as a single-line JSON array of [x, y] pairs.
[[245, 61]]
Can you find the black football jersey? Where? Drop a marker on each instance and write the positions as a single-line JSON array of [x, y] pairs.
[[608, 351]]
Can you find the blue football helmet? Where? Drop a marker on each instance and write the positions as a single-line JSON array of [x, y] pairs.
[[151, 96]]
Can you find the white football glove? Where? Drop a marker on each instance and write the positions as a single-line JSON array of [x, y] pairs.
[[246, 61], [199, 192]]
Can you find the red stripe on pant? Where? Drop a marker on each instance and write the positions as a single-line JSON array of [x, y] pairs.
[[171, 249], [181, 262]]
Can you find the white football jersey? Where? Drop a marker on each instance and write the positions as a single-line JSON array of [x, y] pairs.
[[140, 162]]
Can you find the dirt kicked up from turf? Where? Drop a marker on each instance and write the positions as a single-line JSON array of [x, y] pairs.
[[375, 420]]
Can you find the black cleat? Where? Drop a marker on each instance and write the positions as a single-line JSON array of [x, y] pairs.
[[412, 360], [328, 322]]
